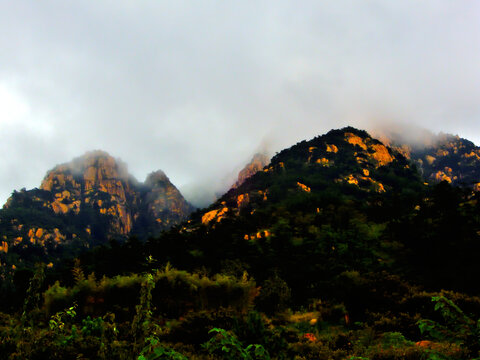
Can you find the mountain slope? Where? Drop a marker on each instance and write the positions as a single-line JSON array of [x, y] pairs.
[[318, 209], [348, 160], [339, 203]]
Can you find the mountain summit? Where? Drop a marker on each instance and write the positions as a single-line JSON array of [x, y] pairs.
[[91, 199]]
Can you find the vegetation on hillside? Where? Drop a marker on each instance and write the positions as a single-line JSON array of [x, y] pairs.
[[336, 250]]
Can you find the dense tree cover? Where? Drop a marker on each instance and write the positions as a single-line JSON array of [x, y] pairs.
[[338, 271]]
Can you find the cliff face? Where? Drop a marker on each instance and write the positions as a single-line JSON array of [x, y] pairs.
[[90, 199], [96, 180], [163, 200], [258, 162]]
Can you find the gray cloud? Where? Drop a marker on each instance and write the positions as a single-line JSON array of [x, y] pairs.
[[193, 88]]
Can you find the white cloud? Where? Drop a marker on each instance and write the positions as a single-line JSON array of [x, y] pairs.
[[194, 87]]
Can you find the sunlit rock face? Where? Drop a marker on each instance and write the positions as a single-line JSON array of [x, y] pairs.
[[258, 162], [91, 199], [441, 157], [99, 180]]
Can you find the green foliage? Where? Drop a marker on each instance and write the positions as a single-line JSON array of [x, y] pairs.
[[457, 327], [226, 343], [57, 321], [170, 291], [33, 296], [141, 324], [274, 295], [154, 350]]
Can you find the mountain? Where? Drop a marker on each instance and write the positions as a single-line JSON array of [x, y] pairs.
[[347, 158], [341, 202], [450, 159], [88, 201], [333, 250]]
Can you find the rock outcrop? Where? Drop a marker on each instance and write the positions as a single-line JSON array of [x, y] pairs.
[[91, 199], [258, 162], [441, 157], [163, 200]]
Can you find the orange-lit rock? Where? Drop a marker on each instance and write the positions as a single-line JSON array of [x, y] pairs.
[[430, 159], [441, 176], [472, 154], [4, 247], [355, 140], [242, 200], [310, 150], [214, 214], [258, 162], [58, 237], [221, 213], [332, 148], [381, 154], [351, 180], [262, 234], [303, 187], [59, 207], [442, 152], [39, 233], [379, 187], [263, 194], [366, 172], [322, 161]]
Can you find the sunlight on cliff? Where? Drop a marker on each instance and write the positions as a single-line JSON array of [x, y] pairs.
[[217, 214], [355, 140], [381, 154]]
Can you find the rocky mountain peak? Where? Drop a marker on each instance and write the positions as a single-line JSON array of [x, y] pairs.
[[258, 162], [94, 198], [93, 168], [156, 178]]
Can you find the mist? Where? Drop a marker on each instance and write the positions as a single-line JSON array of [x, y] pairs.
[[195, 88]]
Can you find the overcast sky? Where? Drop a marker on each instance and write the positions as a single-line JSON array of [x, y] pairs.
[[196, 87]]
